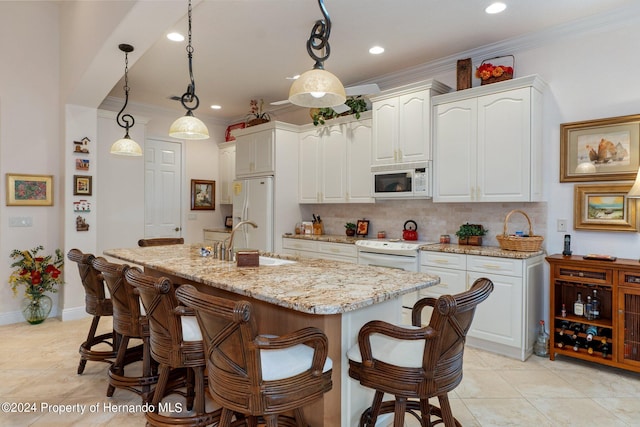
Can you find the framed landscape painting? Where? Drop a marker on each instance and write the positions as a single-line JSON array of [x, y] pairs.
[[29, 190], [604, 207], [600, 150], [203, 195]]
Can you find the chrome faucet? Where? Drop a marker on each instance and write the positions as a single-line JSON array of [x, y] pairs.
[[227, 254]]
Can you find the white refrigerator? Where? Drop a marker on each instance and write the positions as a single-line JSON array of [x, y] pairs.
[[253, 201]]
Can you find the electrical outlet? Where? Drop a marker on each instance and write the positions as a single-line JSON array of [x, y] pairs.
[[562, 225]]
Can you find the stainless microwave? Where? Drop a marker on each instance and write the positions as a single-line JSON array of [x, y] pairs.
[[402, 181]]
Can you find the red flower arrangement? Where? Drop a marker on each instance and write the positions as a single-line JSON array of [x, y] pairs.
[[488, 70], [39, 274]]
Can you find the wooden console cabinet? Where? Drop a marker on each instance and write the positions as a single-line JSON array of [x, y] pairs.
[[617, 342]]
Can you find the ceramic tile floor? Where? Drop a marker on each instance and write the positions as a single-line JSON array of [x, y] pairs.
[[38, 364]]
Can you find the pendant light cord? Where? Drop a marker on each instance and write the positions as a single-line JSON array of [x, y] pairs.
[[319, 38], [125, 121], [190, 94]]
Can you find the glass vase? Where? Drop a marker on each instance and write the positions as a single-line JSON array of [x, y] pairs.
[[36, 310]]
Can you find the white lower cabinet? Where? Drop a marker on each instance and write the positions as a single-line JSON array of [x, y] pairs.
[[506, 322], [317, 249]]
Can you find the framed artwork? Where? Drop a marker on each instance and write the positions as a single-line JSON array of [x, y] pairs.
[[203, 195], [362, 227], [29, 190], [82, 185], [604, 207], [228, 222], [600, 150], [82, 146], [82, 165]]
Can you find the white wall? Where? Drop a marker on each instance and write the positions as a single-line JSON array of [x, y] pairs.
[[30, 131]]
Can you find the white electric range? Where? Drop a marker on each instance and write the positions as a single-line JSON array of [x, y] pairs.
[[391, 253]]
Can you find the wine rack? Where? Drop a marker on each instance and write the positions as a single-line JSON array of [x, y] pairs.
[[613, 338]]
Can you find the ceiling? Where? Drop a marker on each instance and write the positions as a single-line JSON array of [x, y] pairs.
[[245, 49]]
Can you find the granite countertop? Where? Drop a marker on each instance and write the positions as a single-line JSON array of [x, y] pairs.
[[333, 238], [309, 285], [492, 251]]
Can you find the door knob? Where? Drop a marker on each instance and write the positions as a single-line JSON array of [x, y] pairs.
[[176, 229]]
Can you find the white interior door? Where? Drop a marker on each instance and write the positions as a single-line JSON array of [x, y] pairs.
[[163, 183]]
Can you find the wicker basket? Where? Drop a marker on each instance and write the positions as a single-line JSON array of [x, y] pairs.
[[505, 75], [508, 242]]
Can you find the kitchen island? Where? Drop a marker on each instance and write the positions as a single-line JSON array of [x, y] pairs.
[[334, 296]]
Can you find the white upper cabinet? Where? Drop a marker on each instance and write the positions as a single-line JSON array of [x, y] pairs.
[[401, 123], [487, 143], [334, 162], [254, 153], [227, 168]]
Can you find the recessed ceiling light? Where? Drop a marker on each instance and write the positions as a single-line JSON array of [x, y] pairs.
[[376, 50], [496, 7], [216, 107], [175, 37]]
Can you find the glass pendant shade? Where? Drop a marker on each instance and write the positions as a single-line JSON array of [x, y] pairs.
[[634, 193], [317, 88], [126, 147], [189, 127]]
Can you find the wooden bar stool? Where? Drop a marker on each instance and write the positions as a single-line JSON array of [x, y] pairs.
[[176, 343], [97, 305], [263, 377], [414, 362], [128, 322]]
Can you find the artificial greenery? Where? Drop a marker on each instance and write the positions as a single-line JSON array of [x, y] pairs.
[[350, 226], [356, 106], [467, 230]]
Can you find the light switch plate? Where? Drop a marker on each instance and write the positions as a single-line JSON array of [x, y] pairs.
[[20, 221]]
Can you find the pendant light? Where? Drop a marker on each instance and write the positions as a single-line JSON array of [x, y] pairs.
[[318, 88], [126, 146], [188, 126]]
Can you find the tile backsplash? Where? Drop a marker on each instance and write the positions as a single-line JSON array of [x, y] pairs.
[[433, 219]]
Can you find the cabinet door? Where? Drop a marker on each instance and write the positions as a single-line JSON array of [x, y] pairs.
[[254, 154], [455, 153], [628, 350], [264, 153], [385, 131], [309, 167], [334, 164], [498, 319], [227, 162], [359, 180], [413, 137], [504, 146]]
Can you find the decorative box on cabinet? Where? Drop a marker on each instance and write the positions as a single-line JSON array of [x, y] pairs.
[[616, 342], [506, 322], [487, 143], [227, 168], [334, 162], [402, 123]]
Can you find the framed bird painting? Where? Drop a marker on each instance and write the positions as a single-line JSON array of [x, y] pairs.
[[600, 150]]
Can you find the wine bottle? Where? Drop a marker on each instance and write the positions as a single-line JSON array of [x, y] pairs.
[[591, 332], [595, 305], [604, 348], [576, 328], [563, 313], [578, 305], [577, 344], [564, 325], [588, 311], [541, 346]]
